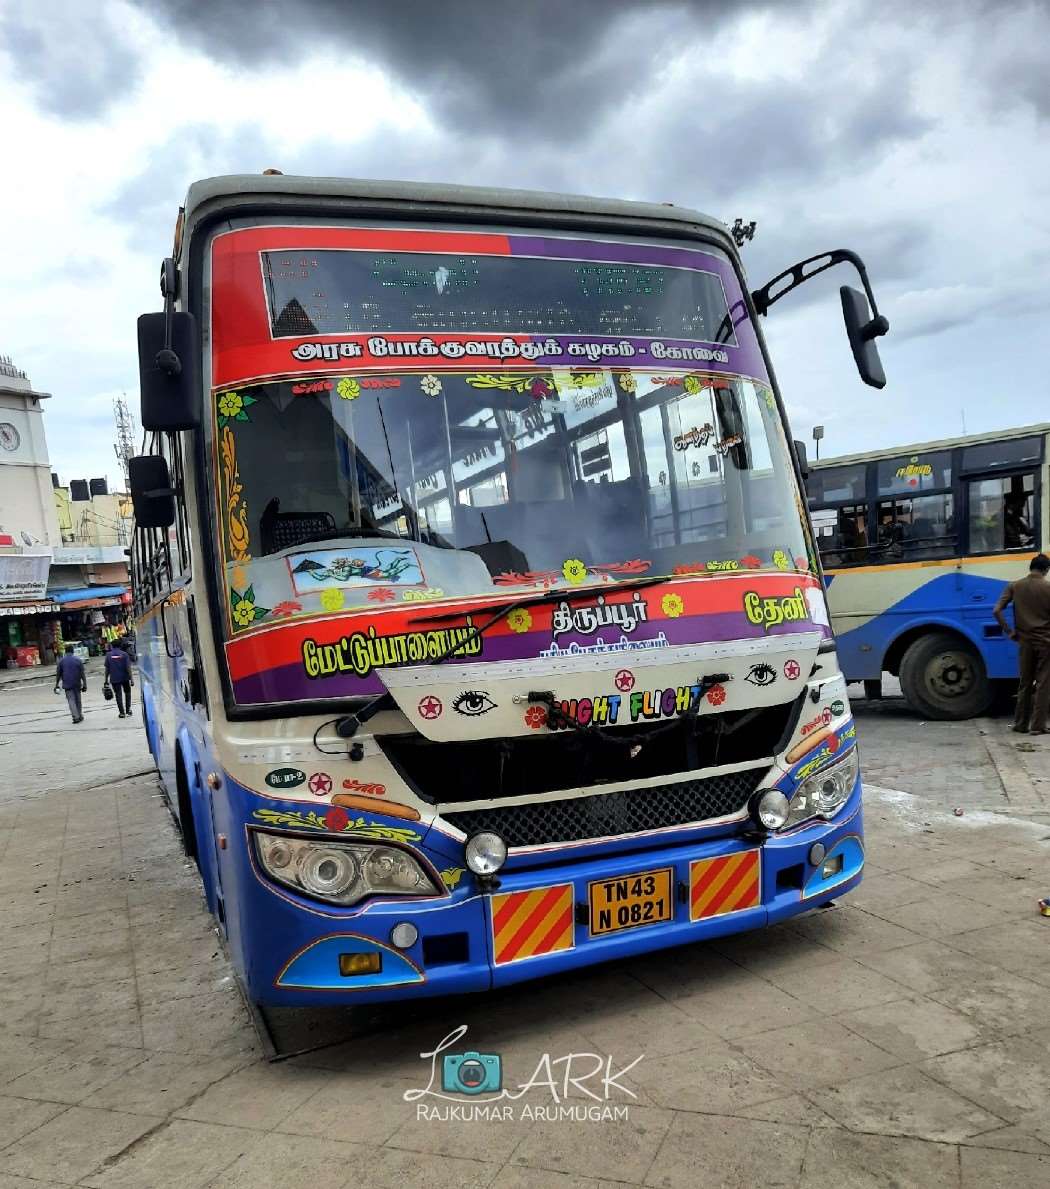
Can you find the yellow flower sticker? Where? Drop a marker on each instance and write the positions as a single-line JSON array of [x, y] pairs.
[[348, 388], [519, 620], [332, 600], [691, 384], [230, 404], [243, 612], [672, 605], [574, 571], [781, 559], [628, 382]]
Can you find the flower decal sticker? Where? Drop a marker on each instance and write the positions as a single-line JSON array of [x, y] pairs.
[[244, 609], [781, 560], [348, 388], [381, 594], [692, 384], [288, 607], [716, 695], [233, 406], [627, 382], [431, 385], [519, 620], [332, 600], [337, 820], [536, 717], [574, 571], [540, 388], [672, 605], [751, 562]]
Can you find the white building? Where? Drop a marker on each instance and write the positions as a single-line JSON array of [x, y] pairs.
[[63, 568], [28, 524]]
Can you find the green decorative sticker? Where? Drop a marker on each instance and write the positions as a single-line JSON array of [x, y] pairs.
[[336, 821], [244, 608], [838, 707], [234, 406], [451, 876]]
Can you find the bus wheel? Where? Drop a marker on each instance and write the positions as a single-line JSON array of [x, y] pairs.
[[942, 676]]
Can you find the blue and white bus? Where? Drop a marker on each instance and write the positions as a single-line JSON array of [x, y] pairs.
[[481, 628], [916, 544]]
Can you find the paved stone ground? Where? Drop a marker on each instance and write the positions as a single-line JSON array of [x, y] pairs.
[[900, 1039]]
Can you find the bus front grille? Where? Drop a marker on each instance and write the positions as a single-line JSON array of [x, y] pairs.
[[613, 815]]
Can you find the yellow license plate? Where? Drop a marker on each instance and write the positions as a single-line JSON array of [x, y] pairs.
[[631, 901]]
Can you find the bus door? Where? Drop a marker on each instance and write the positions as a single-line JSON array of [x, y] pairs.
[[1001, 488]]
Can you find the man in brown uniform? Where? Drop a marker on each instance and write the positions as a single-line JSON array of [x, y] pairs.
[[1031, 599]]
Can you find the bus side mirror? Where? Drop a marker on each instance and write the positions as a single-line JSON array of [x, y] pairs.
[[863, 330], [169, 371], [152, 495], [803, 461]]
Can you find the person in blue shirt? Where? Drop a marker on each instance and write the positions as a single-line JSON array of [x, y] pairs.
[[70, 675], [118, 675]]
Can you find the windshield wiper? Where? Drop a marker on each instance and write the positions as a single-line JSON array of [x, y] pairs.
[[348, 727]]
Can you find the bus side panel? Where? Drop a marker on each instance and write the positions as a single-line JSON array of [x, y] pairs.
[[157, 675], [873, 607]]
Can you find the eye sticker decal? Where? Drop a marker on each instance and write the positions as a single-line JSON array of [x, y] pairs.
[[473, 702], [761, 674]]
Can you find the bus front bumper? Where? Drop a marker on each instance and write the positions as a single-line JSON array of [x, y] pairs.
[[539, 921]]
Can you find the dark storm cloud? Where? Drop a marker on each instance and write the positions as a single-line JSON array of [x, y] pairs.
[[475, 64]]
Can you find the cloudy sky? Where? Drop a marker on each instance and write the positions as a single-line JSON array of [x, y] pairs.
[[914, 133]]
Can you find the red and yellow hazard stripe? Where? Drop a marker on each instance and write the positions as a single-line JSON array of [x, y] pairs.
[[527, 924], [726, 884]]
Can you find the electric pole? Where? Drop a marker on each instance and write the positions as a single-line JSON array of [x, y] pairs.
[[124, 446]]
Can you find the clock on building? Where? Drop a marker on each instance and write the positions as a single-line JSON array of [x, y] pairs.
[[10, 438]]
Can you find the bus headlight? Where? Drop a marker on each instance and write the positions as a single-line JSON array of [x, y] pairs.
[[824, 793], [338, 873], [485, 853]]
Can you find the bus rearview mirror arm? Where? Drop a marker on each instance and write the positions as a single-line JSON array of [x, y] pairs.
[[861, 329]]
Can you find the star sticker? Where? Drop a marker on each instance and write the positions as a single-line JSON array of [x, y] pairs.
[[430, 707], [320, 784], [624, 680], [792, 670]]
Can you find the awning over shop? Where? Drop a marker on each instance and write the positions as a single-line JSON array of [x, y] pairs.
[[79, 593], [85, 598]]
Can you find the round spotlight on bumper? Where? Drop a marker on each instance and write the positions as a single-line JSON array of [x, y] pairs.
[[816, 853], [772, 809], [404, 935], [486, 853]]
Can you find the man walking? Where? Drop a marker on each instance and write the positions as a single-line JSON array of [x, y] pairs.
[[1031, 599], [70, 674], [118, 675]]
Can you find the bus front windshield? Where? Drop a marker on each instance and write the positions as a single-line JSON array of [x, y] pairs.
[[459, 484]]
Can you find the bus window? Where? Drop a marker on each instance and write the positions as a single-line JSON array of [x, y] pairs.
[[915, 472], [912, 529], [994, 456], [1002, 513], [828, 484], [842, 535]]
